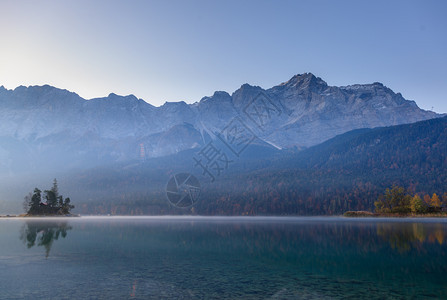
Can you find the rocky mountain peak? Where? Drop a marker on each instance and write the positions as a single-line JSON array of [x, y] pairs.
[[306, 81], [128, 98], [218, 96], [245, 94], [221, 94], [174, 104], [245, 86], [179, 107]]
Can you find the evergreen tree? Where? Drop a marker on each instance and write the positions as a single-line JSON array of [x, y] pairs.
[[51, 199], [60, 200], [67, 206], [55, 188], [36, 200]]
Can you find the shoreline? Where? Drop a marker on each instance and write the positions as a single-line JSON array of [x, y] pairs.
[[39, 216], [367, 214], [347, 215]]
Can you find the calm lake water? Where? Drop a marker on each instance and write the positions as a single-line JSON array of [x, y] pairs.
[[231, 258]]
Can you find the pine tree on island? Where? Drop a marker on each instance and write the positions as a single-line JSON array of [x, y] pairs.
[[50, 202]]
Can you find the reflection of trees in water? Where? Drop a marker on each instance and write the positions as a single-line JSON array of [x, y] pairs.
[[43, 234], [404, 237], [277, 240]]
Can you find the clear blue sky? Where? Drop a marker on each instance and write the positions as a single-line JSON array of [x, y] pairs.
[[184, 50]]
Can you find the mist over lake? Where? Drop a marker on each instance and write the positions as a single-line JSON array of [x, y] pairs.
[[222, 257]]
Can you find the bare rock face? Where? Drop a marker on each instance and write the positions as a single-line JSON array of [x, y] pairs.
[[54, 126], [316, 112]]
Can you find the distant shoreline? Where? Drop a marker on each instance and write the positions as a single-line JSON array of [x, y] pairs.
[[39, 216], [367, 214]]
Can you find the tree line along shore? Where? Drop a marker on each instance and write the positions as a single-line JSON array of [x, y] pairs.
[[397, 202]]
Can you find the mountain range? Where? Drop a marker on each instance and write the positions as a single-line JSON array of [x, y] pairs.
[[313, 148], [43, 126]]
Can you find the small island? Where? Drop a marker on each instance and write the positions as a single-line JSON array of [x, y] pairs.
[[396, 202], [47, 203]]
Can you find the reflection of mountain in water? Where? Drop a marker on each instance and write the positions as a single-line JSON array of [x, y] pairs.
[[43, 233]]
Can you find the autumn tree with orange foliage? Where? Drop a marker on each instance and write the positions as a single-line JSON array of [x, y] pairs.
[[435, 202], [396, 200]]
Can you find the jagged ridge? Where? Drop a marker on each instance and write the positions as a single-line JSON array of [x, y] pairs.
[[58, 125]]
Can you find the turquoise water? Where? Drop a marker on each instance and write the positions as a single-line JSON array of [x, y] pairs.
[[223, 258]]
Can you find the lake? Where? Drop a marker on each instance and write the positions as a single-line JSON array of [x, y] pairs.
[[222, 258]]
